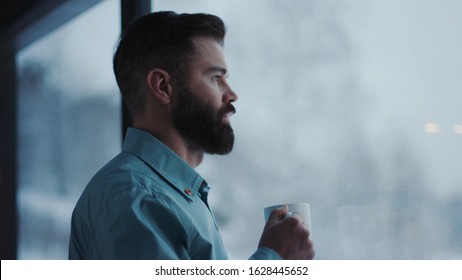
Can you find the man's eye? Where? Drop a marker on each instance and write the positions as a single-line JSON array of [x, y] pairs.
[[216, 78]]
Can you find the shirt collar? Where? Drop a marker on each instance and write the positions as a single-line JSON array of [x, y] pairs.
[[164, 161]]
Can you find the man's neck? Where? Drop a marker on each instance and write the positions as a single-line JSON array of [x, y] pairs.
[[170, 137]]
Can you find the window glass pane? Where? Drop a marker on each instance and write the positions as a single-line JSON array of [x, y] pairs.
[[352, 106], [69, 125]]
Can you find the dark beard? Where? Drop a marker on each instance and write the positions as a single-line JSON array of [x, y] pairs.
[[199, 124]]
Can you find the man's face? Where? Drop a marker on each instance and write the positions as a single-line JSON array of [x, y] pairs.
[[203, 102]]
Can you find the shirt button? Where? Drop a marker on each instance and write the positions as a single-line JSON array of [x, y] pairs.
[[188, 191]]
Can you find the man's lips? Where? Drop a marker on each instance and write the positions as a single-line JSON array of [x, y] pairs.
[[229, 111]]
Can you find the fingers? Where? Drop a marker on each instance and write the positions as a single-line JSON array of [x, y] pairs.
[[294, 218], [310, 252], [294, 214], [287, 234], [278, 214], [296, 225]]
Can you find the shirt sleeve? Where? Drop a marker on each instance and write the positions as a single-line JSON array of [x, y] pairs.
[[265, 253], [141, 225]]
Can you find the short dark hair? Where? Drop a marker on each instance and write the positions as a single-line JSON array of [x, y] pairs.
[[159, 40]]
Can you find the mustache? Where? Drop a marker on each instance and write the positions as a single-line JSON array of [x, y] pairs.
[[228, 109]]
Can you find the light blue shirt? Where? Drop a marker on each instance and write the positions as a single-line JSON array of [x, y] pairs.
[[147, 203]]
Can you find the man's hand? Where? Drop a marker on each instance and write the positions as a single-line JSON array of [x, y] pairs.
[[287, 235]]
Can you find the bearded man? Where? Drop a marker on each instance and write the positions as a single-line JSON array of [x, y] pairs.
[[149, 202]]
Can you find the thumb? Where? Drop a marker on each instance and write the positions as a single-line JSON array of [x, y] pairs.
[[278, 214]]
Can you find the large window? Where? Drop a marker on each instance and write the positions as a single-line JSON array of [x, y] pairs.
[[352, 106], [69, 125]]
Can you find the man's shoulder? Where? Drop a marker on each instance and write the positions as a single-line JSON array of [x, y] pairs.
[[121, 180], [125, 172], [125, 175]]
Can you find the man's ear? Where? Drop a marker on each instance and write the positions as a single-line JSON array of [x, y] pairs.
[[159, 83]]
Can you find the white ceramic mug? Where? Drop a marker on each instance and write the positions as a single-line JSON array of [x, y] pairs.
[[301, 208]]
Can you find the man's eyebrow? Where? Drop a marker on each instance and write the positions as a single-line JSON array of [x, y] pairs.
[[216, 69]]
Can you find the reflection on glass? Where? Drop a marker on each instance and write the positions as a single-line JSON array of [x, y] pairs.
[[432, 128], [458, 128]]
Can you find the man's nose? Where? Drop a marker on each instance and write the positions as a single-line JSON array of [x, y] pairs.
[[230, 96]]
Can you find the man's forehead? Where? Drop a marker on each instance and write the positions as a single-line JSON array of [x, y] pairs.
[[208, 53], [206, 41], [213, 69]]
